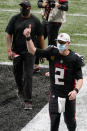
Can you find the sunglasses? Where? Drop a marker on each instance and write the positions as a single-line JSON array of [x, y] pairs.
[[61, 42]]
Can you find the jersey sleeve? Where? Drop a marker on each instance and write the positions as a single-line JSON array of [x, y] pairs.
[[78, 64], [79, 60], [78, 74], [47, 53], [10, 26]]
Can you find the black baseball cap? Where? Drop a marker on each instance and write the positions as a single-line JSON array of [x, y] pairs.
[[25, 3]]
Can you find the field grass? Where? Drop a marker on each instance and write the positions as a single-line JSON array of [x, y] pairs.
[[74, 24]]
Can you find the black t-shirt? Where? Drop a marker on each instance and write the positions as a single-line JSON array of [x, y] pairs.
[[64, 70], [16, 26]]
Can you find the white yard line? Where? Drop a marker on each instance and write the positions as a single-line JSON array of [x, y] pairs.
[[77, 34], [6, 63], [83, 15], [11, 63], [6, 10], [79, 45], [40, 121], [38, 12]]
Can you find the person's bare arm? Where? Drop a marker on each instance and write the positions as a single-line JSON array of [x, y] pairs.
[[72, 94], [31, 48], [30, 45], [8, 43]]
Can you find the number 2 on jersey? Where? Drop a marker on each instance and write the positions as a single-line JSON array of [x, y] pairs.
[[59, 76]]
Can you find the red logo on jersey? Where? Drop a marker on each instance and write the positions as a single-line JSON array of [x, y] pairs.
[[60, 65], [61, 35]]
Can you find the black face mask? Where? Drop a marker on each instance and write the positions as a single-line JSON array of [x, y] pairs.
[[25, 11]]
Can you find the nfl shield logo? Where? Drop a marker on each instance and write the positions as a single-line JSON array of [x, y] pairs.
[[61, 61]]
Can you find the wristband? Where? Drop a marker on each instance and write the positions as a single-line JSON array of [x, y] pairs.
[[76, 90], [28, 38]]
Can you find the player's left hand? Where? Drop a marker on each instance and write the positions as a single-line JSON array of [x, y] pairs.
[[72, 95]]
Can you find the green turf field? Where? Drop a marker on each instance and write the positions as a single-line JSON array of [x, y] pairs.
[[76, 24]]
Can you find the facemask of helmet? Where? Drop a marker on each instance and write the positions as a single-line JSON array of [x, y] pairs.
[[25, 11], [61, 47]]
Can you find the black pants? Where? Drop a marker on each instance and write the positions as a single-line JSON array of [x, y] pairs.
[[23, 72], [69, 114], [36, 60], [51, 30], [37, 57]]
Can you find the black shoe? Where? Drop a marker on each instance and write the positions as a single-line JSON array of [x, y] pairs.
[[28, 106]]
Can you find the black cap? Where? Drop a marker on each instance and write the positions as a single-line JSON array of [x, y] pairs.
[[25, 3]]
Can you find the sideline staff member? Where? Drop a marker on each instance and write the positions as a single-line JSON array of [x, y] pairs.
[[53, 15], [65, 68], [23, 61]]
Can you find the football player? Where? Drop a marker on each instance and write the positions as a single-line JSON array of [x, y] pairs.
[[65, 78]]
